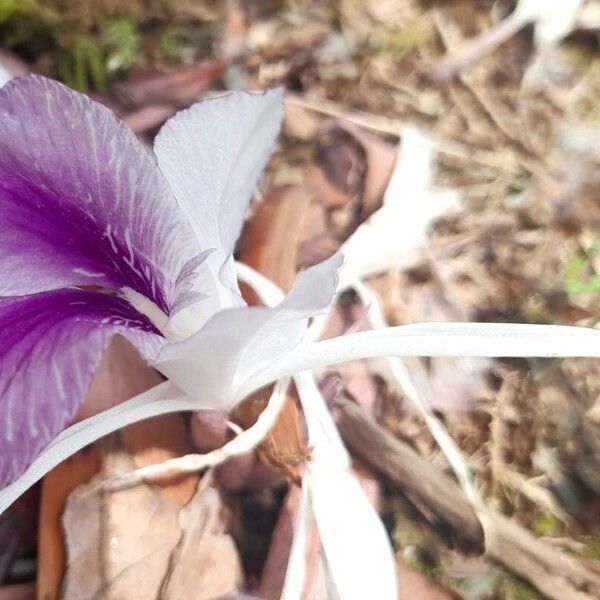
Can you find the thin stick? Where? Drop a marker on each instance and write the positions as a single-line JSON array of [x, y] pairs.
[[392, 126]]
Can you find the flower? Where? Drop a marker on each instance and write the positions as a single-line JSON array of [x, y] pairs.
[[98, 238]]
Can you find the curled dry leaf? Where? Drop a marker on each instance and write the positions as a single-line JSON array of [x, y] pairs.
[[381, 157], [285, 446], [180, 87]]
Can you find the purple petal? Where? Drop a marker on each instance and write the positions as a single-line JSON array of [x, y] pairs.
[[234, 344], [82, 201], [50, 347], [213, 154]]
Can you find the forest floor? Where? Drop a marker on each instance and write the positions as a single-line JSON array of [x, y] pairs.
[[499, 223]]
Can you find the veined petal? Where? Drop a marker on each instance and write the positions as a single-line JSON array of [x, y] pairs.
[[50, 346], [82, 201], [236, 343], [212, 155]]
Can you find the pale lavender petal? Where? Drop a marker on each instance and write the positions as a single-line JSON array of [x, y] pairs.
[[212, 364], [82, 201], [50, 346], [213, 154]]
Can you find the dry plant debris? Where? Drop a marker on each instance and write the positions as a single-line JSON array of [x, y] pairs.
[[514, 137]]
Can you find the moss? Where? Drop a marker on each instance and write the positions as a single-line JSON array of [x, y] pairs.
[[86, 42], [546, 524], [511, 588], [82, 64], [122, 40], [407, 39]]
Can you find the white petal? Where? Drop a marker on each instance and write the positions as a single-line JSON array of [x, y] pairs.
[[401, 224], [236, 343], [296, 568], [212, 155], [355, 543], [354, 540]]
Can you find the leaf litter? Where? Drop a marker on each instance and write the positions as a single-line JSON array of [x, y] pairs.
[[513, 138]]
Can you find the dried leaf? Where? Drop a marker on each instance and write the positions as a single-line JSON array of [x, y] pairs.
[[180, 87], [152, 551], [205, 564]]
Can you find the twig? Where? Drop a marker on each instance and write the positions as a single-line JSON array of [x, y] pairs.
[[473, 50], [392, 126]]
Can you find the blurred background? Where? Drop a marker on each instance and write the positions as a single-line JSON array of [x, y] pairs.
[[466, 134]]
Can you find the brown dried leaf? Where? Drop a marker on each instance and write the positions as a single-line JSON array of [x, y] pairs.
[[134, 543], [180, 87], [122, 375], [270, 240], [22, 591], [206, 563], [118, 544]]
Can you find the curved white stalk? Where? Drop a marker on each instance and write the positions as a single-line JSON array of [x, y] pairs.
[[488, 340], [161, 399], [429, 339], [244, 442]]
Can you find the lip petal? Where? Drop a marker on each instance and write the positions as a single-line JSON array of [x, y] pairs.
[[234, 344], [82, 201], [50, 346]]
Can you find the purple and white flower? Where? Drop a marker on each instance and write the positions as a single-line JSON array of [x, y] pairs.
[[99, 237]]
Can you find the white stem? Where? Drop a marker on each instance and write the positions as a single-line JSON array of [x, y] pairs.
[[401, 375], [491, 340], [243, 443], [161, 399]]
